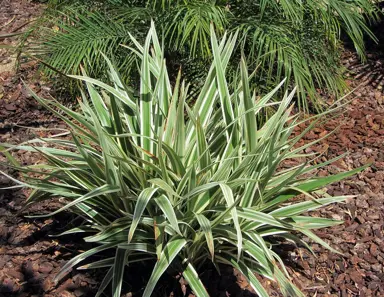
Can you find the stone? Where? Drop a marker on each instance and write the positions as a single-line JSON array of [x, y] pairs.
[[45, 267], [377, 267], [10, 107]]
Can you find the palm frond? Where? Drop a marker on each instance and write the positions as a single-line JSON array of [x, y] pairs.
[[80, 38], [189, 26], [287, 38]]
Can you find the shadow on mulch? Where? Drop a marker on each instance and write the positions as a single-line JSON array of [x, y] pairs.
[[371, 71], [32, 284]]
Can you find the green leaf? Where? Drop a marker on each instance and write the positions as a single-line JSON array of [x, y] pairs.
[[118, 271], [194, 281], [179, 143], [163, 185], [146, 100], [109, 262], [166, 207], [228, 195], [250, 118], [105, 282], [205, 225], [189, 174], [314, 222], [227, 110], [97, 192], [128, 101], [312, 185], [298, 208], [248, 274], [170, 252], [317, 239], [261, 218], [202, 147], [101, 109], [141, 204], [9, 156], [71, 263]]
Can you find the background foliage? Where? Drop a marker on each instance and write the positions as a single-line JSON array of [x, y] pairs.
[[288, 38]]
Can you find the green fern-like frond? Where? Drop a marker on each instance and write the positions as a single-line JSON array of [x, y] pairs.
[[189, 26], [80, 39]]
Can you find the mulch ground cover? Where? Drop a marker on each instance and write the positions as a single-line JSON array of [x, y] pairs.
[[358, 271], [30, 257]]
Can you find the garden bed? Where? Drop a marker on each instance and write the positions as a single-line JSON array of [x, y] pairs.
[[30, 257]]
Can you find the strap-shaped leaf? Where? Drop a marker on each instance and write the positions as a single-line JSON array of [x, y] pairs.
[[251, 278], [224, 95], [286, 286], [194, 281], [94, 215], [170, 125], [205, 225], [258, 254], [167, 208], [81, 229], [111, 230], [71, 263], [250, 118], [108, 88], [314, 222], [259, 218], [311, 186], [146, 120], [257, 239], [228, 195], [317, 239], [202, 147], [105, 282], [103, 190], [200, 189], [99, 105], [170, 252], [299, 208], [8, 155], [118, 271], [163, 185], [175, 160], [138, 247], [159, 234], [179, 136], [247, 273], [99, 264], [141, 204], [91, 160]]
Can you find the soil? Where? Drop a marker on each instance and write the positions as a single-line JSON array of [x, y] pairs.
[[30, 257]]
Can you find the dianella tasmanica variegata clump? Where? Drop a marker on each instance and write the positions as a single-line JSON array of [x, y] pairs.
[[176, 185]]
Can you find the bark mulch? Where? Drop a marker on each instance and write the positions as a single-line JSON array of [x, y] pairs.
[[358, 271], [29, 256]]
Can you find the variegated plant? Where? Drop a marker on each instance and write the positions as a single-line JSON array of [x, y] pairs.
[[158, 180]]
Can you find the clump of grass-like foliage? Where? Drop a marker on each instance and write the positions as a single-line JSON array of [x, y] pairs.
[[157, 180]]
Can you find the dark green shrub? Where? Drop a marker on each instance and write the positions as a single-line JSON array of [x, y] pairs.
[[296, 39]]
